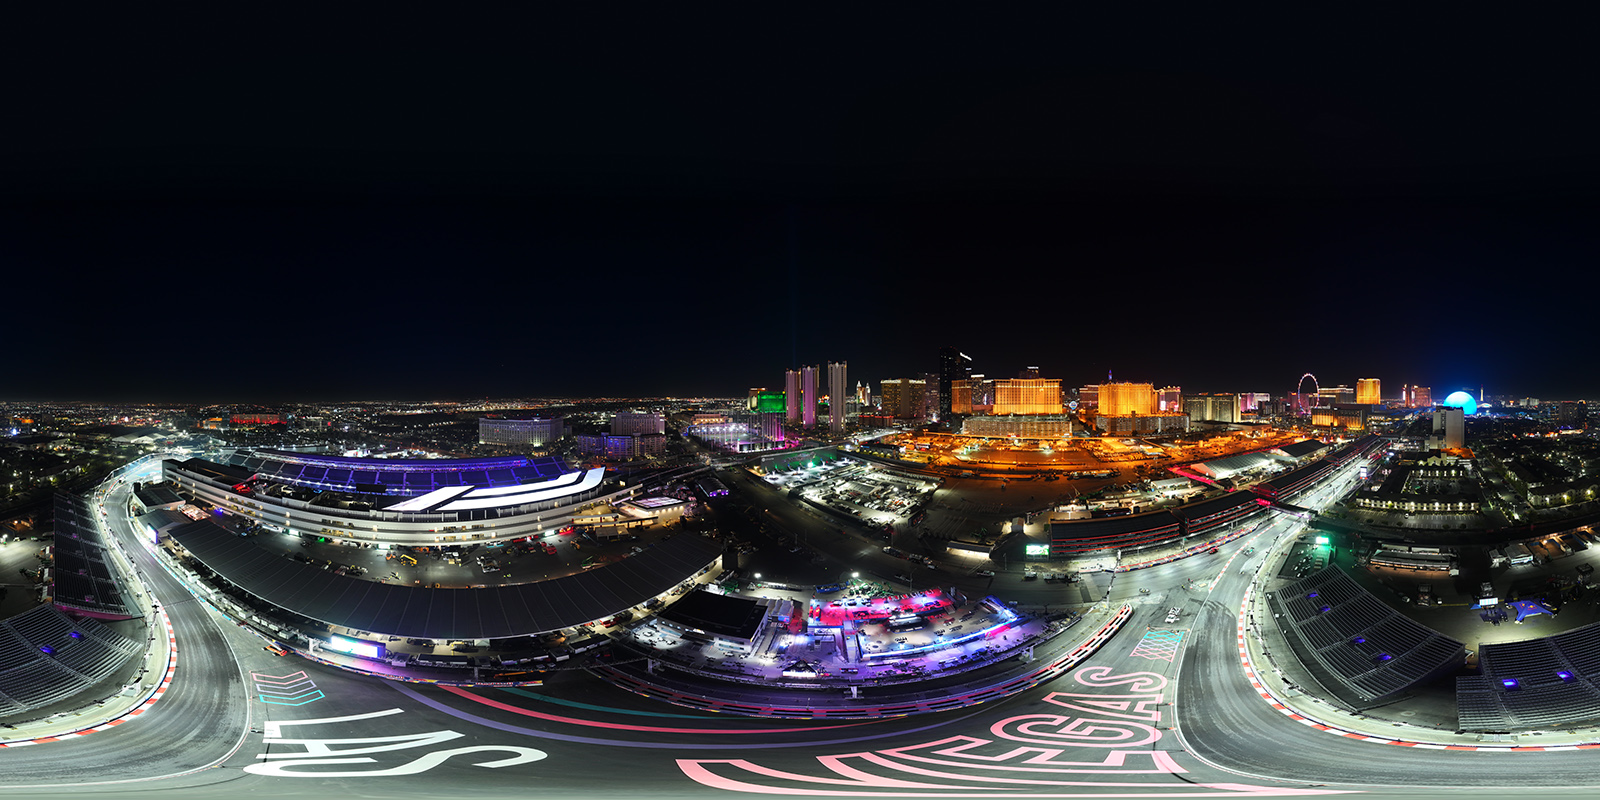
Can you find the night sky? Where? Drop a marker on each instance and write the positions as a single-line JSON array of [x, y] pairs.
[[462, 205]]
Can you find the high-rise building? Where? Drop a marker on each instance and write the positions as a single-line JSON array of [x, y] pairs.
[[771, 425], [808, 396], [1450, 426], [1028, 374], [1350, 417], [930, 396], [791, 396], [1123, 399], [1367, 392], [982, 393], [1027, 396], [961, 396], [1169, 399], [621, 447], [889, 392], [954, 365], [1212, 407], [838, 394], [534, 432], [631, 422], [1252, 401], [1089, 396], [1416, 396], [904, 398], [1566, 413], [1331, 395]]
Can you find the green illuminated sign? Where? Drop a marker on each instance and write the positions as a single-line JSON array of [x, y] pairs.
[[1321, 540], [1036, 549], [770, 401]]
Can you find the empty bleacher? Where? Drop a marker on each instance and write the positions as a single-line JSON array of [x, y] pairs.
[[47, 657], [1361, 650], [1581, 648], [83, 577], [1112, 533], [1534, 683]]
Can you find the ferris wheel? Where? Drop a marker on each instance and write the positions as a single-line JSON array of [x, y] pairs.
[[1300, 395]]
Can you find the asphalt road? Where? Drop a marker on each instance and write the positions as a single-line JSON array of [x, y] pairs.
[[1163, 709], [199, 720]]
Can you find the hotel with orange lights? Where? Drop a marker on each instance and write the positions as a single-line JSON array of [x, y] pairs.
[[1027, 396], [1367, 392], [1125, 399]]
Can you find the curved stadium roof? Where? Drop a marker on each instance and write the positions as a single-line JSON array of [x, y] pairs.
[[452, 614], [403, 477]]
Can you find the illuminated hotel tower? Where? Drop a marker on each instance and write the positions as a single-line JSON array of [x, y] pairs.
[[791, 396], [1027, 396], [838, 394], [1124, 399], [1367, 392], [1169, 399], [808, 396]]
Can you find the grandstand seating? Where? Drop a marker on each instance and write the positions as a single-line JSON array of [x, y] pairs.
[[81, 652], [1295, 481], [83, 577], [1204, 518], [1554, 683], [1581, 648], [1351, 640], [1112, 533]]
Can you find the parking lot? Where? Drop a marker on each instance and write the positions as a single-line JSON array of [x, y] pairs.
[[873, 493]]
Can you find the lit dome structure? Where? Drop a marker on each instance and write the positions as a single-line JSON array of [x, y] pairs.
[[1463, 401]]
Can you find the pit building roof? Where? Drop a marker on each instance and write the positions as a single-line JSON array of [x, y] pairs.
[[450, 614]]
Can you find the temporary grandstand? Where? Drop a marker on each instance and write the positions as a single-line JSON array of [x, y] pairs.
[[1533, 684], [1293, 482], [1201, 518], [84, 578], [1366, 446], [1363, 652], [47, 656], [1080, 537], [1284, 487], [1207, 516]]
